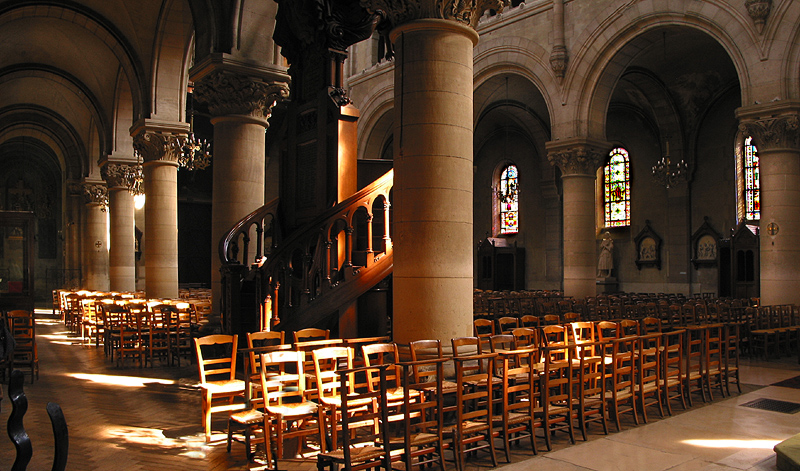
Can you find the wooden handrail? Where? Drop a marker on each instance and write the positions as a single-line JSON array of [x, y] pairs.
[[229, 245]]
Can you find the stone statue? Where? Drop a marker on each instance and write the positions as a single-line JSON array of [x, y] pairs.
[[606, 262]]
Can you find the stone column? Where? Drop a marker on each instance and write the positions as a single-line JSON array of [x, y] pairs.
[[433, 134], [159, 148], [73, 248], [775, 129], [121, 254], [578, 160], [95, 248], [240, 107]]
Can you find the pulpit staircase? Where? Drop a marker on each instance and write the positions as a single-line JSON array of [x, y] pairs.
[[301, 279]]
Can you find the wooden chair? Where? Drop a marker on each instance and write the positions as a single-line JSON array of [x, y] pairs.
[[651, 325], [731, 356], [216, 363], [650, 373], [157, 346], [555, 337], [483, 327], [591, 391], [555, 410], [529, 320], [507, 324], [473, 428], [526, 337], [423, 416], [571, 317], [694, 356], [327, 361], [714, 349], [385, 354], [424, 376], [22, 326], [672, 368], [629, 327], [288, 412], [131, 345], [364, 417], [310, 334], [621, 393], [519, 398], [551, 319], [179, 324], [256, 341]]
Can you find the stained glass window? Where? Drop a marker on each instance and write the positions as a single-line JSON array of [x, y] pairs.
[[508, 199], [752, 198], [617, 189]]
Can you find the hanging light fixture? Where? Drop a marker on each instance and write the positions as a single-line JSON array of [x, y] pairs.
[[669, 173], [193, 153]]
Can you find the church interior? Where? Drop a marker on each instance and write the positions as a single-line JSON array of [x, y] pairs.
[[400, 169]]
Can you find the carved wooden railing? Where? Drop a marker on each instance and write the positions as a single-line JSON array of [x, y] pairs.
[[234, 248], [319, 268]]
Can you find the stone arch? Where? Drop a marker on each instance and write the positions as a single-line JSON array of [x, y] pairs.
[[51, 129], [173, 45], [76, 89], [790, 64], [379, 125], [106, 33], [613, 44]]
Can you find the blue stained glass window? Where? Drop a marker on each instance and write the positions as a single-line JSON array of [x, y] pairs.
[[617, 189], [508, 199]]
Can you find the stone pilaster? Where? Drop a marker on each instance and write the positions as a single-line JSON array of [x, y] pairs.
[[578, 160], [775, 129], [95, 248], [121, 180], [433, 135], [159, 145], [240, 106]]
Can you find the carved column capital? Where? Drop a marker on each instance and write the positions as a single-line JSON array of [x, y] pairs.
[[155, 146], [577, 156], [229, 93], [772, 126], [398, 12], [95, 193], [122, 176], [758, 11]]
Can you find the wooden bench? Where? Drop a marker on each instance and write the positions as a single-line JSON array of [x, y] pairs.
[[788, 454]]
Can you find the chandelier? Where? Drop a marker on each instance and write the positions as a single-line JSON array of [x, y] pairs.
[[193, 153], [669, 173]]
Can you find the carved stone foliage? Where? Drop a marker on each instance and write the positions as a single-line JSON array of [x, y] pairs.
[[578, 160], [325, 24], [228, 93], [94, 193], [758, 11], [120, 175], [154, 146], [397, 12], [774, 132], [558, 60]]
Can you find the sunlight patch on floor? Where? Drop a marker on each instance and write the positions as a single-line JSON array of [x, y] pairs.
[[116, 380], [730, 443]]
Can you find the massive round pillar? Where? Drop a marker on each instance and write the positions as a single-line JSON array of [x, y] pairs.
[[775, 129], [240, 107], [433, 276], [578, 160], [95, 246], [122, 245], [161, 237]]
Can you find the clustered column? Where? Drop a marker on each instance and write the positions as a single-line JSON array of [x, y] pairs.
[[121, 255], [433, 136], [160, 153], [240, 107], [95, 248], [578, 160], [775, 129]]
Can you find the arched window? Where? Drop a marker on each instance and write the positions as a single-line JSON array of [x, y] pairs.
[[508, 200], [617, 189], [749, 183]]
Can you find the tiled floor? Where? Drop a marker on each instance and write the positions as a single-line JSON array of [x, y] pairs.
[[149, 418]]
